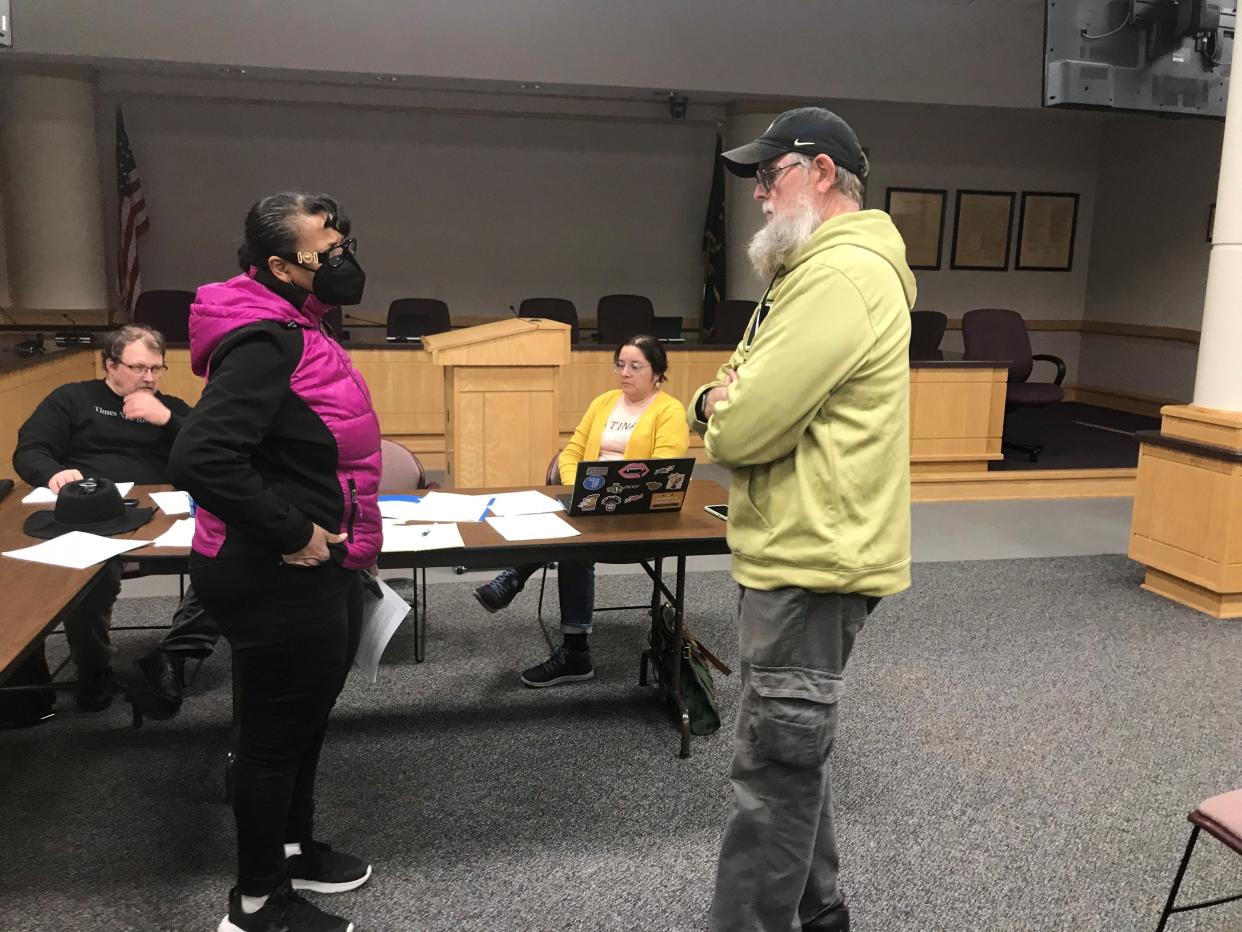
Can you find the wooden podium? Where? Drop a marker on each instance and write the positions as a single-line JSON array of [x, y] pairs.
[[501, 398]]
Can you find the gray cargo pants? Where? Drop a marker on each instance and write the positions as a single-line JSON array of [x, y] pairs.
[[778, 859]]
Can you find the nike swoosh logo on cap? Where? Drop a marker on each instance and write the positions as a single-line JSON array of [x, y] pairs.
[[800, 142]]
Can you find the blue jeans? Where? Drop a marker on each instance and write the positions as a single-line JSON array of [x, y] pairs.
[[575, 584]]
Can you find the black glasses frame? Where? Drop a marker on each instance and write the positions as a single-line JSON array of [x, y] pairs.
[[766, 177]]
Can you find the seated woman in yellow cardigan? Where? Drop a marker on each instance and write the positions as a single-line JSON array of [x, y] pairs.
[[636, 421]]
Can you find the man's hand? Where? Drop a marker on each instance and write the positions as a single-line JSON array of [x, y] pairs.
[[62, 478], [316, 549], [719, 393], [142, 405]]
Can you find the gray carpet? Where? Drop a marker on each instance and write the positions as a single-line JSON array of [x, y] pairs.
[[1020, 745]]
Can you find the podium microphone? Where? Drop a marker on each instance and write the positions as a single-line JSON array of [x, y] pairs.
[[73, 337]]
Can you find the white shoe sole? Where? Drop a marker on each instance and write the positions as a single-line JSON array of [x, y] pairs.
[[226, 926], [316, 886], [567, 678]]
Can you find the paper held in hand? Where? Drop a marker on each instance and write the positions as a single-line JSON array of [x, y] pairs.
[[381, 617]]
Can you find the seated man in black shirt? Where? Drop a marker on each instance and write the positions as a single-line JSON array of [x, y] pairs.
[[121, 428]]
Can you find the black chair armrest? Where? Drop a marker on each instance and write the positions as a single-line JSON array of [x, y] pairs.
[[1060, 364]]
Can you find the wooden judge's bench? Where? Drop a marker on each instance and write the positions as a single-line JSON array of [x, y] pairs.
[[491, 403]]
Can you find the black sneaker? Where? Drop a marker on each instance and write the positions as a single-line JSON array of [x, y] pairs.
[[157, 682], [498, 593], [564, 666], [95, 693], [322, 870], [284, 911]]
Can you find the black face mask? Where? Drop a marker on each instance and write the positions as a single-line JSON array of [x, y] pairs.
[[341, 284]]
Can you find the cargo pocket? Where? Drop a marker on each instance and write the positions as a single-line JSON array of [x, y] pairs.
[[794, 714]]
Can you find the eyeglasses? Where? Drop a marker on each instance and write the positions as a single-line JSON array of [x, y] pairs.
[[766, 177], [156, 371], [635, 367], [333, 256]]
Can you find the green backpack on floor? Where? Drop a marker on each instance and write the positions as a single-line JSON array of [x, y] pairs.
[[698, 689]]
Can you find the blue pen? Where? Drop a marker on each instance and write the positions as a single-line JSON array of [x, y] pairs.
[[491, 501]]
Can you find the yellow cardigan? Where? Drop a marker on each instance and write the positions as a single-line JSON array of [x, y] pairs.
[[661, 432]]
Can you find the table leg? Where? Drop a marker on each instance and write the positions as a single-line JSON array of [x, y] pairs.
[[679, 643]]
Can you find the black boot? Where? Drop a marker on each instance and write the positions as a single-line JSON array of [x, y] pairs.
[[96, 689], [157, 684]]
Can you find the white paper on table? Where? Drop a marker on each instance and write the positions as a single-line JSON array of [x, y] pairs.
[[507, 504], [172, 503], [406, 538], [399, 510], [45, 496], [449, 506], [533, 527], [76, 550], [181, 534], [380, 620]]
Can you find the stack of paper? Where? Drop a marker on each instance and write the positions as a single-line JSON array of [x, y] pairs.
[[450, 506], [181, 534], [45, 496], [533, 527], [76, 550], [172, 503], [507, 504], [407, 538], [380, 620]]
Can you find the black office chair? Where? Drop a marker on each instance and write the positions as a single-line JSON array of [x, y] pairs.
[[417, 317], [167, 311], [621, 316], [731, 319], [1000, 335], [926, 331], [558, 309]]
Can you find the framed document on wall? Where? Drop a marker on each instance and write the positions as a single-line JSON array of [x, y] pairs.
[[918, 213], [982, 229], [1046, 227]]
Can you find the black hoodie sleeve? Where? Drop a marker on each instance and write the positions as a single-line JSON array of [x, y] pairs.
[[178, 410], [211, 457], [43, 440]]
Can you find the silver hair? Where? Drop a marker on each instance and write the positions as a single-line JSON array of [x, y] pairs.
[[114, 343], [847, 183]]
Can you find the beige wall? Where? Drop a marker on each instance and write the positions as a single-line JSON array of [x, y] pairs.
[[1149, 254], [983, 52], [478, 209]]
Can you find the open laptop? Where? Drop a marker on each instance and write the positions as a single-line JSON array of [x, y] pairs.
[[626, 487]]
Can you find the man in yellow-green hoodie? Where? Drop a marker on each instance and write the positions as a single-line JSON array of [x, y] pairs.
[[811, 416]]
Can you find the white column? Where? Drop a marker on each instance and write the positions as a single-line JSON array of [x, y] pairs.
[[49, 172], [1218, 379], [743, 218]]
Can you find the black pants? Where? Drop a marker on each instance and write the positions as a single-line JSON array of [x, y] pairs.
[[293, 631]]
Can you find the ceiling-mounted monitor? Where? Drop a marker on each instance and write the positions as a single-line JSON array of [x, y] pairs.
[[1172, 56]]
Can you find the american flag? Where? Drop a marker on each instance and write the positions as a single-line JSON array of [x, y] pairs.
[[131, 220]]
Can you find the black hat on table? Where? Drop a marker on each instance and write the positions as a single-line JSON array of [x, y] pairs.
[[91, 505], [810, 130]]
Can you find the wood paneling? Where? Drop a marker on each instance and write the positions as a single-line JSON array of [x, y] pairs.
[[22, 390], [926, 486], [1187, 527], [956, 415]]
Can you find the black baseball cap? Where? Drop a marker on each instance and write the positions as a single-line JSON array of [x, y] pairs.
[[810, 130]]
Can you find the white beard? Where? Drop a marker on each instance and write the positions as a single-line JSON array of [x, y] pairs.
[[784, 234]]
